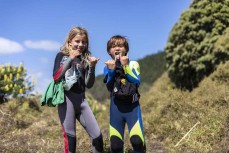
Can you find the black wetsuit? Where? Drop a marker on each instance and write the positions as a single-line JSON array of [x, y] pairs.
[[75, 105]]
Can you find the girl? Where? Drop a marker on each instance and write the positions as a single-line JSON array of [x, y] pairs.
[[75, 65]]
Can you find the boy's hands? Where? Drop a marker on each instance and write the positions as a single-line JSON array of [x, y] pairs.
[[123, 59], [110, 64]]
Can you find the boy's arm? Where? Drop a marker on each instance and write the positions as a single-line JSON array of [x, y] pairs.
[[132, 72], [109, 75]]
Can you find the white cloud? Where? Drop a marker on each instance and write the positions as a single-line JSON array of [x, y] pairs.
[[43, 44], [9, 47]]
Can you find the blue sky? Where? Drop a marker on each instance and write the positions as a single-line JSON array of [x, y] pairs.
[[33, 31]]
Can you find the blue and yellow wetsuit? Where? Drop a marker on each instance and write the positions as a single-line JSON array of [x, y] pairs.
[[125, 112]]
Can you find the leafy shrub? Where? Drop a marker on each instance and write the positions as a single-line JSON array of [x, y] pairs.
[[191, 52], [13, 81]]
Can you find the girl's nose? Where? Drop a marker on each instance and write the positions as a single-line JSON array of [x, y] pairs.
[[80, 44]]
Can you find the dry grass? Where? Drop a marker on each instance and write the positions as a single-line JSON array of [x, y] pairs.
[[172, 113], [168, 115]]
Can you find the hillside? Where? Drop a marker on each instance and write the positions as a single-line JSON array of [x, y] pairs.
[[151, 67], [168, 114]]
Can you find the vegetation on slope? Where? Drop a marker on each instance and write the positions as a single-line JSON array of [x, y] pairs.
[[168, 114]]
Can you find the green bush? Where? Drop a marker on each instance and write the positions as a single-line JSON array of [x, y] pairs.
[[193, 50], [13, 81]]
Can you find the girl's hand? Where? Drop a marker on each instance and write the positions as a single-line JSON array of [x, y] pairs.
[[74, 53], [110, 64], [92, 61]]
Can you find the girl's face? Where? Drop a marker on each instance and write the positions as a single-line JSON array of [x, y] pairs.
[[78, 43], [117, 51]]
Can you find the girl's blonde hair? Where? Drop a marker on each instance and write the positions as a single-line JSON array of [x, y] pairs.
[[72, 33]]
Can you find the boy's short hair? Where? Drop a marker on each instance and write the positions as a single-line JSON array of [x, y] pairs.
[[117, 40]]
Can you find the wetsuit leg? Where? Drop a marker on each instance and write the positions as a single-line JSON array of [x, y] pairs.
[[67, 117], [136, 131], [88, 121], [117, 126]]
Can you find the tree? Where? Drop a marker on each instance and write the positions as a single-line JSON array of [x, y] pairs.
[[190, 52]]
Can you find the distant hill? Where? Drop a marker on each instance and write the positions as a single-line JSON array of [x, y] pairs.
[[151, 67]]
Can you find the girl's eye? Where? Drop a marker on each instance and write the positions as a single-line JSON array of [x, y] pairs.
[[82, 42]]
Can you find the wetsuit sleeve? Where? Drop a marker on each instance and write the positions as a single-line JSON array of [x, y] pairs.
[[109, 74], [132, 72], [90, 77], [60, 66]]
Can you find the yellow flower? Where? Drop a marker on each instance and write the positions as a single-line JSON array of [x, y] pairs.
[[17, 76], [5, 77], [3, 70], [7, 88], [19, 69], [20, 91], [11, 76]]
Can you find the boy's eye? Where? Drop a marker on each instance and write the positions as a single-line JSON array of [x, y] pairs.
[[117, 46]]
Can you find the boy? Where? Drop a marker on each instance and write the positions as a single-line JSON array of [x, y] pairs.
[[122, 78]]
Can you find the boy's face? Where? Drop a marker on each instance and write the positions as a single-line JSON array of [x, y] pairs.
[[117, 51]]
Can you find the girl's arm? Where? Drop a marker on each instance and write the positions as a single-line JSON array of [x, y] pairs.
[[61, 65], [90, 77]]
